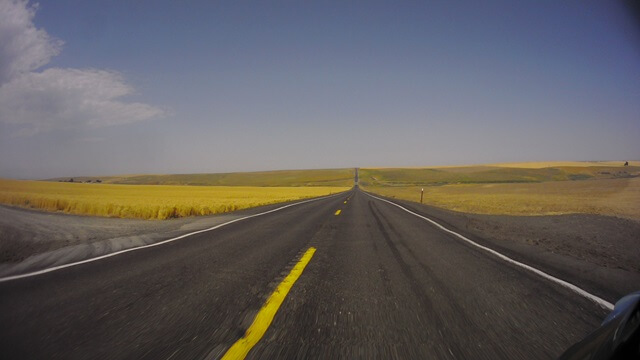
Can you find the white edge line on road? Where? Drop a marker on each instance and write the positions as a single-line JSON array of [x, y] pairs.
[[603, 303], [63, 266]]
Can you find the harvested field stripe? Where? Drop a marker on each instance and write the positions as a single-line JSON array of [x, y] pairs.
[[254, 333], [48, 270], [603, 303]]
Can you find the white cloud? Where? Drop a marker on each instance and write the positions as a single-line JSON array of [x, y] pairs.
[[23, 48], [55, 98], [68, 98]]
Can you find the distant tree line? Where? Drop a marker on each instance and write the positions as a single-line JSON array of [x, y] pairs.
[[88, 181]]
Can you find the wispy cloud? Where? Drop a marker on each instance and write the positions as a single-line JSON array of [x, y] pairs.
[[68, 98], [40, 101]]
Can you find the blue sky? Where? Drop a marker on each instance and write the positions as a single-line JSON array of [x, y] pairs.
[[165, 87]]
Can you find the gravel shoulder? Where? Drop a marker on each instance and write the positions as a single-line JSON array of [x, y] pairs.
[[599, 253], [31, 240]]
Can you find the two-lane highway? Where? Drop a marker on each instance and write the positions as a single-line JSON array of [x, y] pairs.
[[381, 284]]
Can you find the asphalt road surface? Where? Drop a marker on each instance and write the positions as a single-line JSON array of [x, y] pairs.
[[382, 284]]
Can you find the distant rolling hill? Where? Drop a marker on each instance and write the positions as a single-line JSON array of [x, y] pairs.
[[322, 177], [483, 174], [602, 188]]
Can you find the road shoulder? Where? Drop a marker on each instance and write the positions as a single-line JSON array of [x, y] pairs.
[[597, 253], [34, 240]]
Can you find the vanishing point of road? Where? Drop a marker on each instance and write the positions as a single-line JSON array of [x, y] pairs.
[[347, 276]]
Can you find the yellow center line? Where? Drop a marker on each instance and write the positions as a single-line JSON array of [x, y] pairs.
[[254, 333], [338, 212]]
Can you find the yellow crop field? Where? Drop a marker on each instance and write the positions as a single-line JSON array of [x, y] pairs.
[[148, 201], [614, 197]]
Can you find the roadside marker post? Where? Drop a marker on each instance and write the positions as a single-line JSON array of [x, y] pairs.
[[421, 195]]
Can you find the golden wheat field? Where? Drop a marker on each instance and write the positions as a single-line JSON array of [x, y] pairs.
[[147, 201], [614, 197]]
